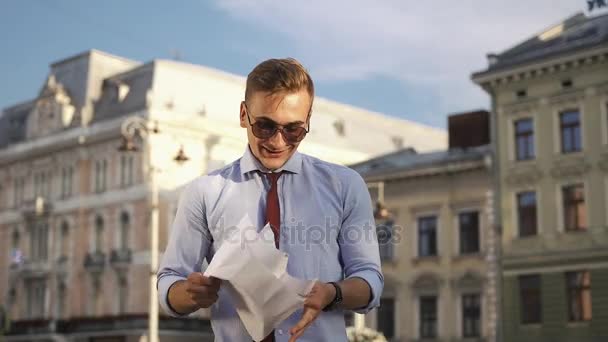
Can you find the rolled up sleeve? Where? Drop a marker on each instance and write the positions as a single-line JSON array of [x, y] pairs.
[[188, 244], [358, 240]]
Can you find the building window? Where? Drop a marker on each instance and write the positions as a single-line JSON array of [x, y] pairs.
[[428, 317], [570, 128], [122, 297], [39, 238], [63, 245], [16, 254], [471, 315], [524, 139], [427, 236], [469, 232], [61, 299], [125, 227], [575, 218], [386, 317], [19, 191], [578, 287], [36, 298], [96, 300], [67, 181], [526, 213], [384, 231], [530, 305], [99, 228], [42, 184], [126, 170], [101, 171]]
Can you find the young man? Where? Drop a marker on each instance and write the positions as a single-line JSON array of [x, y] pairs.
[[320, 213]]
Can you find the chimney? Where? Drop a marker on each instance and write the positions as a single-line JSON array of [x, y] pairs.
[[469, 129]]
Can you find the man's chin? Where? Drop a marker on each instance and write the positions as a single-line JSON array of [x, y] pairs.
[[273, 164]]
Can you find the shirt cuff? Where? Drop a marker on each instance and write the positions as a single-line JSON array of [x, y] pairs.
[[164, 284], [376, 283]]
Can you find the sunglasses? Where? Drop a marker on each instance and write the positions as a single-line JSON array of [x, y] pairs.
[[265, 128]]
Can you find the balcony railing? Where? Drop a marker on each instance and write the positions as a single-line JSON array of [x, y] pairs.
[[120, 257], [95, 261]]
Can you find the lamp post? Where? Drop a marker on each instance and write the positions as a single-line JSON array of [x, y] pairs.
[[132, 127]]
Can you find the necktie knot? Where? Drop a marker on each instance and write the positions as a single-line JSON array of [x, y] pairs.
[[274, 178]]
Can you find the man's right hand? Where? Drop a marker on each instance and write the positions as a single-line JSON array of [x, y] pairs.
[[196, 292]]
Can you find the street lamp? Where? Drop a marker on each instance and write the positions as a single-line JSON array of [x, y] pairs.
[[131, 128]]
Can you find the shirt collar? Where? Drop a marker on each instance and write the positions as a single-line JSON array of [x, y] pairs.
[[250, 163]]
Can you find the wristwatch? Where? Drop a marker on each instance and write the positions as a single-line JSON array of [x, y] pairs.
[[337, 299]]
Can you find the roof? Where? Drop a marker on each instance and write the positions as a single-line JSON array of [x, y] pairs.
[[13, 123], [576, 33], [408, 160]]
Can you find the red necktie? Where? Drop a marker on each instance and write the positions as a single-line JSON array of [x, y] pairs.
[[273, 216], [273, 211]]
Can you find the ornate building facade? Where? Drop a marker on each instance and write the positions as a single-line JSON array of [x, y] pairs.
[[550, 123], [437, 239], [75, 213]]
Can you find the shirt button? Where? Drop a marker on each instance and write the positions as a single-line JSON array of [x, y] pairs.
[[280, 331]]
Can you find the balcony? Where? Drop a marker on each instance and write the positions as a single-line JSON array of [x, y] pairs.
[[36, 207], [120, 258], [95, 262], [32, 268], [61, 265]]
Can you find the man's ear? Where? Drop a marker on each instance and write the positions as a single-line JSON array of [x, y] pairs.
[[243, 115]]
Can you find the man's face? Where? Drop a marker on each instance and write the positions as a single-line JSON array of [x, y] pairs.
[[289, 110]]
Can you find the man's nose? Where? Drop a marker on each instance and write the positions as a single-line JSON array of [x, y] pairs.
[[278, 140]]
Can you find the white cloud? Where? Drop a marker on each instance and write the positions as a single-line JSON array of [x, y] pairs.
[[434, 44]]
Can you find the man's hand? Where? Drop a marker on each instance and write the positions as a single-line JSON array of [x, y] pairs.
[[197, 291], [202, 290], [319, 297]]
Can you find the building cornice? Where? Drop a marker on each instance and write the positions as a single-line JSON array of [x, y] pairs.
[[432, 171], [572, 61], [74, 137]]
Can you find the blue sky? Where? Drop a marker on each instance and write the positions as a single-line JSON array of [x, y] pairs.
[[409, 59]]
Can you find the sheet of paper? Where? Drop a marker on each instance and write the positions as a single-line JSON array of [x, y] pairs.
[[254, 274]]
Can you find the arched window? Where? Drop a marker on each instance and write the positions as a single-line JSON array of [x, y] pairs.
[[123, 295], [125, 227], [63, 245], [98, 234]]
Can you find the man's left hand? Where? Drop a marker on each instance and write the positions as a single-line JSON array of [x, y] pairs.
[[319, 297]]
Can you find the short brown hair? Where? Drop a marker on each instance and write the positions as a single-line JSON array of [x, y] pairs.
[[278, 75]]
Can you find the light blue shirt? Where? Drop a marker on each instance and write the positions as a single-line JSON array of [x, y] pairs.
[[327, 230]]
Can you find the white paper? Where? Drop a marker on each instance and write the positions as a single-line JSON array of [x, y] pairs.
[[254, 273]]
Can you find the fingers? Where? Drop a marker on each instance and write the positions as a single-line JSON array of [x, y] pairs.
[[197, 278], [307, 318], [202, 290]]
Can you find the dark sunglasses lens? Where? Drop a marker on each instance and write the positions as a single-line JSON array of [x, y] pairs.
[[294, 135], [263, 130]]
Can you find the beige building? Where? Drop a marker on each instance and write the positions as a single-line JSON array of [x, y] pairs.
[[436, 238], [550, 119], [75, 213]]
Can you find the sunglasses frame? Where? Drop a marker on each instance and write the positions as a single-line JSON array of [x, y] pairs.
[[277, 128]]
